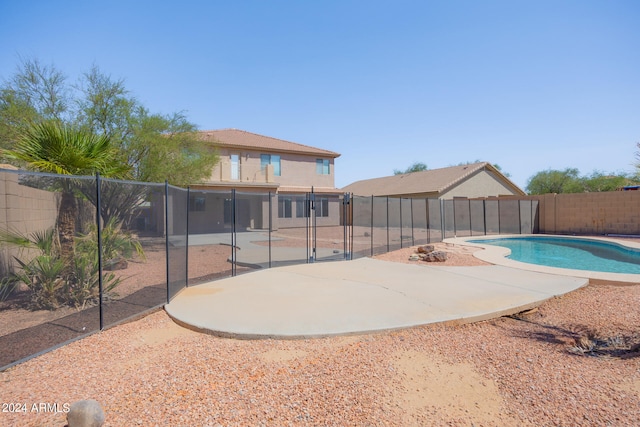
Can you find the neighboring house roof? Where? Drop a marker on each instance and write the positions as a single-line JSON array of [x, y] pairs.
[[429, 181], [236, 138]]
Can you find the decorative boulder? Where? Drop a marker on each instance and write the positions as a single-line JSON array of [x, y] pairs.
[[425, 249], [85, 413], [435, 256], [414, 257]]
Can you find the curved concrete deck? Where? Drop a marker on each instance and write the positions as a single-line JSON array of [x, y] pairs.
[[365, 295]]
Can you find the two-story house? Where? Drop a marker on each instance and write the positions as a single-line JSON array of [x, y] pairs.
[[258, 167]]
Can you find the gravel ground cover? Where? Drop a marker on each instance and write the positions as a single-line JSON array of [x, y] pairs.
[[574, 361]]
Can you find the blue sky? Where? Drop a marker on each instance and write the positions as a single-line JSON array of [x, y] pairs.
[[527, 85]]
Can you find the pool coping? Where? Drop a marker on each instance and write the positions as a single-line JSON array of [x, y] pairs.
[[498, 255]]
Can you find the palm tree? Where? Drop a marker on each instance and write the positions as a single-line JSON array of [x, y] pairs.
[[53, 147]]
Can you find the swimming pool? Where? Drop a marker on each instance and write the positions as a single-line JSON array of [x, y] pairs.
[[571, 253]]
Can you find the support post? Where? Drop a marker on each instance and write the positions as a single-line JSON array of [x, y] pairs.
[[99, 233]]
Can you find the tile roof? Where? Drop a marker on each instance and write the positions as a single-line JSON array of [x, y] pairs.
[[236, 138], [429, 181]]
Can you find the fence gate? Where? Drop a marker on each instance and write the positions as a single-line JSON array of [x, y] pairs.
[[328, 230]]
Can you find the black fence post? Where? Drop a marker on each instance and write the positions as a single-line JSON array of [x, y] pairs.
[[345, 202], [401, 236], [99, 233], [308, 230], [186, 261], [233, 232], [387, 223], [314, 225], [270, 226], [442, 220], [413, 238], [166, 235], [470, 226], [484, 215], [351, 219], [426, 206], [499, 222], [371, 225], [455, 227]]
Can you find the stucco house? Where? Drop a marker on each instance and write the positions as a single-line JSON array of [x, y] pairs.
[[472, 180], [261, 168]]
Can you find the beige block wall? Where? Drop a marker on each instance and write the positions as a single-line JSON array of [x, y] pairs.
[[25, 210], [615, 212], [296, 170]]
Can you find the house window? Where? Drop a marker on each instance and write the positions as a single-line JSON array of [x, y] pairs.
[[235, 167], [322, 207], [270, 159], [302, 207], [322, 166], [284, 207], [196, 204]]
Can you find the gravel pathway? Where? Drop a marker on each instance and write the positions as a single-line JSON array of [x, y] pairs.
[[533, 370]]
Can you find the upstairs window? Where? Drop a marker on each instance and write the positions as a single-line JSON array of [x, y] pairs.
[[322, 166], [235, 167], [270, 159]]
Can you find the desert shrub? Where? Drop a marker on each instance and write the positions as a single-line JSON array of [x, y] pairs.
[[51, 284]]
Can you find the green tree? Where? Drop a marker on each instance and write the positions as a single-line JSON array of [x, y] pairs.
[[554, 181], [156, 147], [168, 147], [53, 147], [416, 167], [600, 181], [34, 93]]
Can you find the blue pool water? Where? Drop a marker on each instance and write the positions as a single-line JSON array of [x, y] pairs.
[[577, 254]]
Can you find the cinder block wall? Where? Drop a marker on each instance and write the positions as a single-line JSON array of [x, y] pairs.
[[25, 210], [615, 212]]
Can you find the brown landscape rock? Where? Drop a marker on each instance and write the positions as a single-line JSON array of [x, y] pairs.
[[425, 249], [435, 256]]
